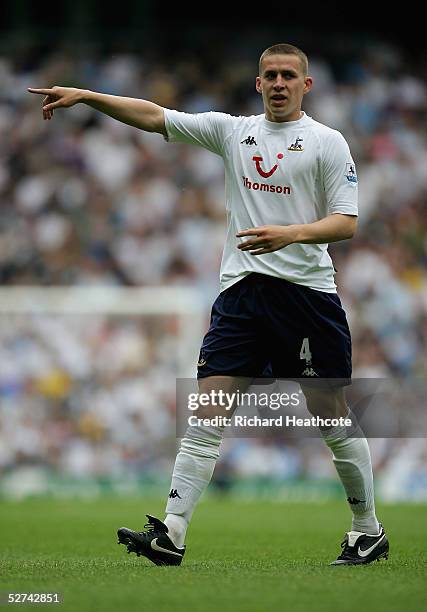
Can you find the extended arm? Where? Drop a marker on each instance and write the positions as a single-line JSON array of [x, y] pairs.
[[269, 238], [142, 114]]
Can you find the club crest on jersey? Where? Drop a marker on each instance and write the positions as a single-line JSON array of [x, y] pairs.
[[296, 146], [265, 173], [350, 173]]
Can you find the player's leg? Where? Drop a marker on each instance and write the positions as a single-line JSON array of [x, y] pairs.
[[197, 457], [366, 541], [351, 455], [231, 355], [163, 542], [319, 340]]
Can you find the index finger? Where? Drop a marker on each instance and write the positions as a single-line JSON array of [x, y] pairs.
[[252, 231], [40, 91]]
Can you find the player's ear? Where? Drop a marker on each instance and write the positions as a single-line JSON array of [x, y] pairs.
[[308, 84], [258, 84]]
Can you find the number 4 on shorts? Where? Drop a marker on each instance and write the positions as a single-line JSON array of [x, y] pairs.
[[305, 352]]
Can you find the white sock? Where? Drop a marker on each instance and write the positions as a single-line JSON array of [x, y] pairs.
[[194, 466], [177, 528], [352, 460]]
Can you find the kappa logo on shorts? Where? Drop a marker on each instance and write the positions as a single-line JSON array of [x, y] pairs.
[[309, 372]]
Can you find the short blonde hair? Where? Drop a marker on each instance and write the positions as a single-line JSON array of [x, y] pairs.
[[285, 49]]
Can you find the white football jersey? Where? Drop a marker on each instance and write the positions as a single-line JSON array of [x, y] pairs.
[[275, 174]]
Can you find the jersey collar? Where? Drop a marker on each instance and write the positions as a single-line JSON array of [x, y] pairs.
[[274, 125]]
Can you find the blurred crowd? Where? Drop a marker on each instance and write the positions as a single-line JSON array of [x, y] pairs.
[[85, 200]]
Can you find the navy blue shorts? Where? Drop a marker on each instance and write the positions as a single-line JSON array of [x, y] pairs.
[[263, 326]]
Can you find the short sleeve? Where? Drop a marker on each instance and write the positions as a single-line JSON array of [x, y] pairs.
[[209, 130], [339, 175]]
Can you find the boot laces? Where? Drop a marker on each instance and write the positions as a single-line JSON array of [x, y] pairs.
[[153, 526], [346, 554]]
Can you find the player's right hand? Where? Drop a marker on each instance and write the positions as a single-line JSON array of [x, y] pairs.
[[57, 97]]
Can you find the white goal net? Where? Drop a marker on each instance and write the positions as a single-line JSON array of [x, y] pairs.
[[88, 383], [182, 304]]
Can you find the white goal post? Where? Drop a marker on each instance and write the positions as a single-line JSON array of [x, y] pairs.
[[185, 303]]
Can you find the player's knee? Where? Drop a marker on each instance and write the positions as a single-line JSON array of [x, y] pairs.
[[218, 395], [202, 441], [326, 403]]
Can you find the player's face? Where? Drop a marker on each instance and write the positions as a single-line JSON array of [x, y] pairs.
[[282, 84]]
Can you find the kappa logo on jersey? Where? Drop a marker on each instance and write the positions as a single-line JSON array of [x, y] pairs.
[[350, 173], [296, 146], [250, 140], [265, 174], [174, 493]]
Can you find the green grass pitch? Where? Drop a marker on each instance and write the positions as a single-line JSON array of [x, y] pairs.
[[251, 557]]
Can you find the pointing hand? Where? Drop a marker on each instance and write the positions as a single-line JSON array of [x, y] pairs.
[[57, 97]]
